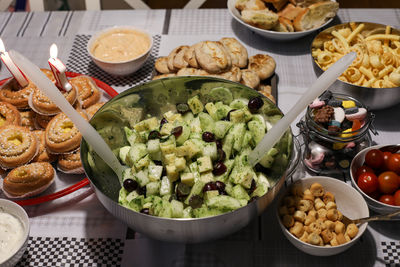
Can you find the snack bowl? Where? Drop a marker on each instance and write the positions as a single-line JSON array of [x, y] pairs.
[[10, 208], [122, 67], [156, 98], [349, 202], [373, 204], [374, 98], [274, 35]]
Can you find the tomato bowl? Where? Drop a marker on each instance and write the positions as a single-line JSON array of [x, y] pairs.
[[384, 175]]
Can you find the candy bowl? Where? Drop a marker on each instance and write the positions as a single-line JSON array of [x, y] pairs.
[[156, 98], [376, 95], [118, 56], [372, 201], [13, 220], [334, 129], [302, 234]]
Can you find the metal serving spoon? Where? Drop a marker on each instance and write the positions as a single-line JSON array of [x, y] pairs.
[[382, 217]]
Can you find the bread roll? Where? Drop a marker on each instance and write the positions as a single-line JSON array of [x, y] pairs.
[[278, 4], [284, 25], [249, 5], [263, 19], [291, 12], [315, 15]]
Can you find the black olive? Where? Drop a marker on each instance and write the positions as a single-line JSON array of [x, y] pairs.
[[209, 187], [220, 186], [253, 186], [255, 104], [154, 135], [196, 201], [208, 137], [130, 185], [219, 168], [177, 131], [221, 155], [162, 122], [182, 190], [218, 143], [142, 190], [157, 162], [145, 211]]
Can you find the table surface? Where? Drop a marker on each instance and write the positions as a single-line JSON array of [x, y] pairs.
[[76, 229]]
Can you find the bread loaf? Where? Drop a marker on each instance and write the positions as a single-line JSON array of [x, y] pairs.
[[315, 15], [250, 5], [291, 12], [263, 19]]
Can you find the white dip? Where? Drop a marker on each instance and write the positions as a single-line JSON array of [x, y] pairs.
[[11, 234]]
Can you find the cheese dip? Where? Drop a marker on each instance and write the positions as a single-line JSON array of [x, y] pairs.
[[11, 235], [120, 45]]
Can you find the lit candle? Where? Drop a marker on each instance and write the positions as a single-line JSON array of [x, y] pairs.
[[15, 71], [58, 69]]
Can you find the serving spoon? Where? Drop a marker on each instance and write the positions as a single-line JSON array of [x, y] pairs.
[[382, 217], [321, 84], [53, 93]]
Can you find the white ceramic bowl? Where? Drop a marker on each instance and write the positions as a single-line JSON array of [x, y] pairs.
[[374, 204], [279, 36], [121, 68], [349, 202], [16, 210]]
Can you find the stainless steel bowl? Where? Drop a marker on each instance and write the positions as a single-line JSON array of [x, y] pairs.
[[157, 97], [374, 98]]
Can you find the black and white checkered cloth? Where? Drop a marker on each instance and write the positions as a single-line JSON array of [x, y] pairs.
[[80, 61], [66, 251], [391, 253]]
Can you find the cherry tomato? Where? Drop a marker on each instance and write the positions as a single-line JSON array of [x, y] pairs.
[[388, 182], [368, 182], [387, 199], [394, 163], [374, 158], [363, 169], [386, 156], [397, 198]]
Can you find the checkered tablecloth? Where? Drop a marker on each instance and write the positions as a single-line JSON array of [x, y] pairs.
[[77, 230]]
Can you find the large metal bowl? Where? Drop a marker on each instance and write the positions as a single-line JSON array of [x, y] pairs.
[[374, 98], [157, 97]]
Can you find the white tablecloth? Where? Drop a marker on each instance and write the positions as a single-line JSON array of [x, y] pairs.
[[76, 229]]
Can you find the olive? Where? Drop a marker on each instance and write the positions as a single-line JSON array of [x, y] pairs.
[[219, 168], [177, 131], [228, 116], [142, 190], [209, 187], [154, 135], [162, 122], [253, 186], [130, 185], [157, 162], [196, 201], [255, 104], [182, 190], [182, 108], [220, 186], [218, 143], [208, 137], [145, 211], [221, 154]]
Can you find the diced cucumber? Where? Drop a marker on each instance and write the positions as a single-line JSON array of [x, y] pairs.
[[195, 136], [195, 126], [166, 128], [153, 146], [259, 118], [127, 174], [180, 163], [132, 136], [210, 194], [153, 188], [239, 103], [222, 110], [221, 128], [239, 192], [221, 94], [212, 110], [136, 152], [247, 114], [204, 211], [187, 212], [267, 160], [142, 163], [131, 196], [172, 172], [155, 172], [165, 186], [123, 152], [177, 209], [142, 178], [195, 105], [184, 135], [204, 164], [187, 178], [172, 117], [188, 117], [242, 175], [237, 116], [227, 143], [222, 202], [229, 165], [197, 189], [206, 122], [210, 150], [257, 130], [147, 125], [247, 140], [207, 177], [239, 129]]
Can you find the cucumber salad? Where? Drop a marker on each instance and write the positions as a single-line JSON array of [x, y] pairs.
[[194, 161]]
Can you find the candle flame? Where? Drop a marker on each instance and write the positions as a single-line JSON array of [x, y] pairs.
[[2, 48], [53, 51]]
